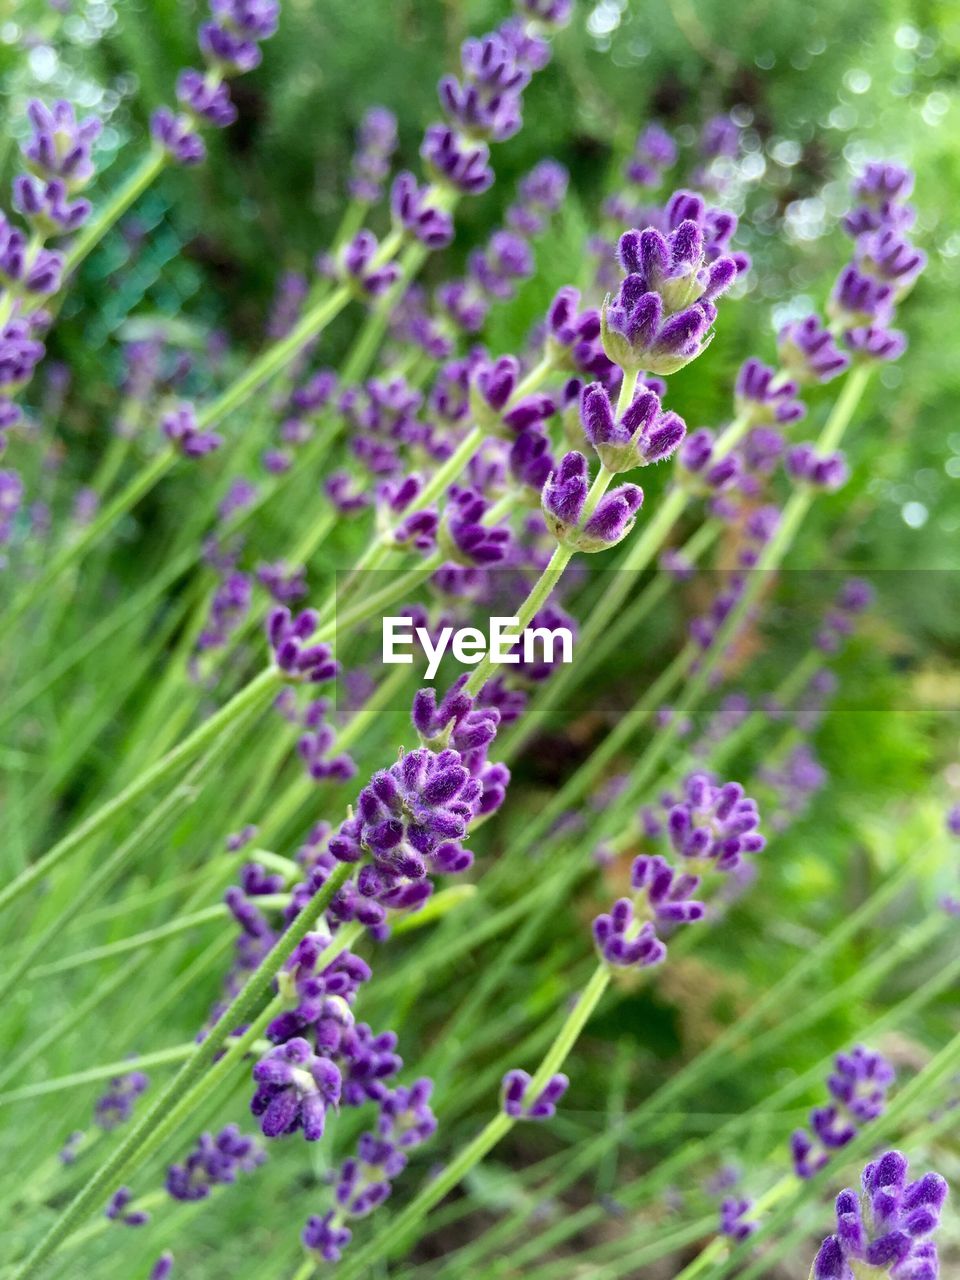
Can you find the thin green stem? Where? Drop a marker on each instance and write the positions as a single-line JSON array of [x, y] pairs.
[[150, 167], [159, 1058]]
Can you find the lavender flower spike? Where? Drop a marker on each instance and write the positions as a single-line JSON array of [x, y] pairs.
[[295, 1088], [514, 1101], [715, 823], [644, 434], [662, 314], [885, 1230], [623, 941], [563, 501]]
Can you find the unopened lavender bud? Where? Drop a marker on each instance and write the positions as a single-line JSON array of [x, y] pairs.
[[809, 353], [417, 216], [515, 1100]]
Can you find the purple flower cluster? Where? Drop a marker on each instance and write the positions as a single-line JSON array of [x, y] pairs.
[[885, 1230], [182, 430], [215, 1161], [295, 657], [564, 505], [230, 44], [58, 157], [404, 1122], [516, 1102], [115, 1107], [661, 316], [715, 826], [118, 1209], [858, 1088], [643, 434], [885, 265], [482, 104]]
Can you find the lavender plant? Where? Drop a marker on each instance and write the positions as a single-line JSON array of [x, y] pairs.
[[421, 934]]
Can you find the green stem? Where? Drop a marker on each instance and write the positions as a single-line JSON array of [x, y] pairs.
[[105, 217], [159, 1058]]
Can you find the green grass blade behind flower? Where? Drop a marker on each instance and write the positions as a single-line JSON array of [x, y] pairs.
[[40, 1088], [193, 1083], [917, 1097], [273, 359], [571, 1164], [109, 214], [96, 881], [733, 1049], [255, 694]]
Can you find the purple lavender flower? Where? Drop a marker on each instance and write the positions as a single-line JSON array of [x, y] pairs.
[[205, 99], [661, 316], [715, 823], [455, 162], [361, 265], [539, 194], [653, 153], [622, 940], [515, 1102], [60, 146], [733, 1219], [821, 471], [886, 1228], [177, 137], [564, 498], [295, 1088], [414, 213], [298, 660], [701, 470], [115, 1107], [485, 101], [875, 342], [858, 1087], [809, 353], [117, 1209], [376, 143], [163, 1267], [644, 433], [216, 1160], [71, 1148], [765, 397], [181, 429], [405, 1121], [409, 812], [465, 538], [47, 205], [667, 893], [720, 136], [551, 14]]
